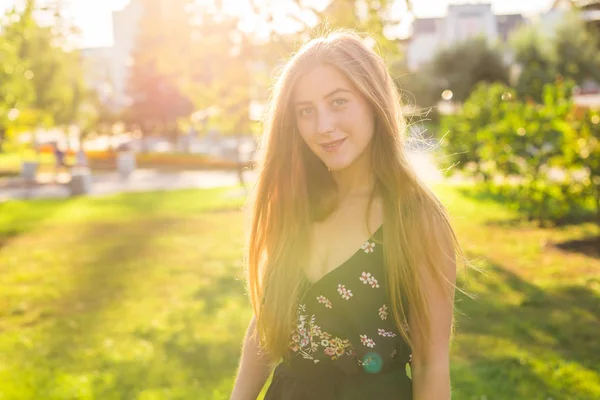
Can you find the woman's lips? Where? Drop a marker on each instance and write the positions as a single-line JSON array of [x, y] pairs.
[[333, 145]]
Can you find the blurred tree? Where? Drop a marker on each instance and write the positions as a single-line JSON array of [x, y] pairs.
[[52, 68], [421, 90], [534, 54], [230, 69], [576, 48], [496, 136], [582, 154], [159, 68], [372, 16], [199, 52], [571, 52], [222, 63], [472, 140], [461, 67], [16, 90]]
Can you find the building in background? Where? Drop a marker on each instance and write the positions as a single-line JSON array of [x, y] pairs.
[[463, 21], [125, 26]]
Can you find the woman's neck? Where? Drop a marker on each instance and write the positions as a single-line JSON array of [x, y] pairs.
[[356, 180]]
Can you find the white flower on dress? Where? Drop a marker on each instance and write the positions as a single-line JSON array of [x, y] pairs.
[[324, 300], [383, 314], [367, 278], [382, 332], [368, 247], [315, 330], [367, 341], [345, 293]]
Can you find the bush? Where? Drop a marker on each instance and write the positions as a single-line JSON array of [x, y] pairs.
[[550, 153]]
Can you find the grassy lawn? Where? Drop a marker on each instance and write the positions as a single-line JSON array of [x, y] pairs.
[[141, 296]]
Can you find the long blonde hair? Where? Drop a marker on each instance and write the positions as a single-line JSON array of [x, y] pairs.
[[294, 189]]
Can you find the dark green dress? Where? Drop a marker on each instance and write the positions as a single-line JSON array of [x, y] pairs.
[[346, 345]]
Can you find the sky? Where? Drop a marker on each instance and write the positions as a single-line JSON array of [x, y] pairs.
[[94, 17]]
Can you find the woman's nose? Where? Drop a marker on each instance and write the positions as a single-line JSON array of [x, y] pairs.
[[325, 123]]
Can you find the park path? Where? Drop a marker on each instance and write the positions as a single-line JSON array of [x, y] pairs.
[[142, 180]]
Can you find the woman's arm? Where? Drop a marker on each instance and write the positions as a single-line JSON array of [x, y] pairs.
[[253, 371], [431, 371]]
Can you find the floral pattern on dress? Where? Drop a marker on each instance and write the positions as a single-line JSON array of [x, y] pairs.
[[345, 293], [309, 337], [368, 247], [366, 341], [368, 279], [383, 314], [326, 336], [324, 300], [384, 333]]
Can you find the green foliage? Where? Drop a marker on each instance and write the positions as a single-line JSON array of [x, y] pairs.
[[372, 16], [577, 56], [56, 74], [461, 67], [570, 52], [470, 136], [583, 154], [534, 53], [16, 91], [39, 77], [420, 89], [498, 135]]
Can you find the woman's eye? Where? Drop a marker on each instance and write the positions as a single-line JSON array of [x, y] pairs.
[[339, 102], [305, 112]]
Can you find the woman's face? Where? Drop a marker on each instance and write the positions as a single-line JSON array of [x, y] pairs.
[[332, 116]]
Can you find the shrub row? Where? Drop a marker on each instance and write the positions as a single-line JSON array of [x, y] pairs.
[[548, 151]]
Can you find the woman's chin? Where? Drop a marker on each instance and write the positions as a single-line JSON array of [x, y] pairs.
[[336, 166]]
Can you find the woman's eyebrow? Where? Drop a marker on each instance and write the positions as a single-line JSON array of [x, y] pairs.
[[336, 91], [332, 93]]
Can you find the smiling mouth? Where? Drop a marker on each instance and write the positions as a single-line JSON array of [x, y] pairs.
[[333, 144]]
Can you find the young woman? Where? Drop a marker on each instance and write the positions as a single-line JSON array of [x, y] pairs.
[[351, 258]]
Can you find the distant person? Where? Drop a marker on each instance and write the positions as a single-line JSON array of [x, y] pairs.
[[125, 160], [81, 158], [351, 258], [60, 162]]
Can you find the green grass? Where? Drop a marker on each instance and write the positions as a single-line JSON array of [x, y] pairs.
[[141, 296]]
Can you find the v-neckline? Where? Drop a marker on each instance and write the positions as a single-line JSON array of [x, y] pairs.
[[313, 284]]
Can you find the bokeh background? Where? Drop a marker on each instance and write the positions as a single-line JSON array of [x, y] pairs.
[[128, 134]]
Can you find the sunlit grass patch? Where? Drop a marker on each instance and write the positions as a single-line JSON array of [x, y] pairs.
[[141, 296]]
